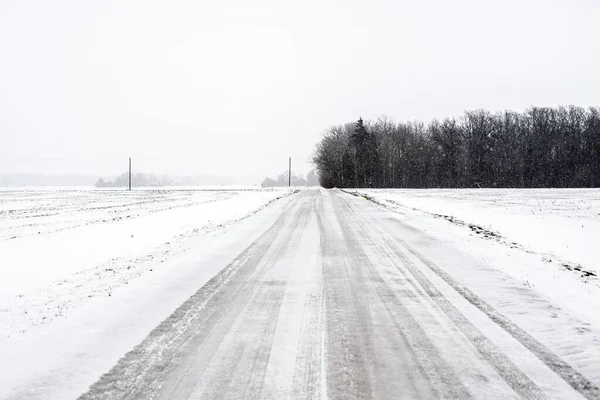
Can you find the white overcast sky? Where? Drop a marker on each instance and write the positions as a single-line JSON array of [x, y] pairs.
[[234, 87]]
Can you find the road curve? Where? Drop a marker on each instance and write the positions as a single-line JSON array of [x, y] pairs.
[[329, 303]]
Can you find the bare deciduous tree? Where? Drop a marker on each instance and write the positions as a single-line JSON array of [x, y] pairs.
[[541, 147]]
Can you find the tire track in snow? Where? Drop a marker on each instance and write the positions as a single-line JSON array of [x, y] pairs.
[[440, 379], [246, 368], [348, 325], [310, 364], [573, 377], [140, 373]]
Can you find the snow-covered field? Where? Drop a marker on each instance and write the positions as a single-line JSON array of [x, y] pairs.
[[106, 263], [61, 247], [559, 224], [548, 238]]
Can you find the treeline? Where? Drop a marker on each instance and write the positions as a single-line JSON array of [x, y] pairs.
[[137, 179], [297, 180], [541, 147]]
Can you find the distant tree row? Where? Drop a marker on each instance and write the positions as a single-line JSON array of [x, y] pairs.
[[541, 147], [137, 179], [282, 180]]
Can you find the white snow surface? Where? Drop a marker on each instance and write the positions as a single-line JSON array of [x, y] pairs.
[[547, 238], [108, 265], [559, 223]]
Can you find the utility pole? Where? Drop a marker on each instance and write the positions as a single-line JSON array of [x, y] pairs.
[[290, 174], [129, 173]]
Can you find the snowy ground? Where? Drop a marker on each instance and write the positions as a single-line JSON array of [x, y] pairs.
[[385, 294], [59, 248], [343, 298], [547, 238], [66, 256], [559, 224]]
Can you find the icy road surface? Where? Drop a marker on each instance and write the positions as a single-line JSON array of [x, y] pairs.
[[341, 298]]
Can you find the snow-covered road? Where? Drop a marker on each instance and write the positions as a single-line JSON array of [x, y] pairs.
[[342, 298]]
